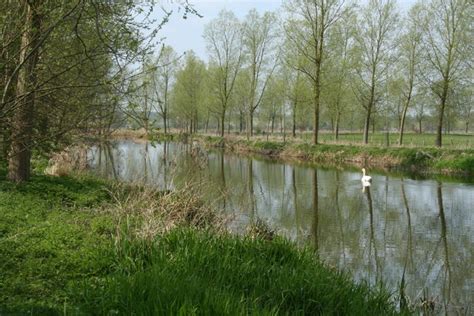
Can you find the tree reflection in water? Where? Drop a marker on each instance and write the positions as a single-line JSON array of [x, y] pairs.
[[395, 232]]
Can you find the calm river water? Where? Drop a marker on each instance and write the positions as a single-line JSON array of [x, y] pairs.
[[419, 233]]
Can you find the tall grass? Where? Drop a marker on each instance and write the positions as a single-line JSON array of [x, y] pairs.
[[188, 271], [87, 247]]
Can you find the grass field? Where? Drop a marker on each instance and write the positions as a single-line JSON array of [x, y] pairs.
[[453, 141], [457, 141], [76, 245]]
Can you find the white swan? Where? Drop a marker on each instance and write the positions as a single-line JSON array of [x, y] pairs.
[[365, 179]]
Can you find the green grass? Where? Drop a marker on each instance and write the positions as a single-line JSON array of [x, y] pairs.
[[453, 141], [49, 237], [199, 272], [61, 252], [426, 160]]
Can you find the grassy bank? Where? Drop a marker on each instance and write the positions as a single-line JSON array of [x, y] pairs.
[[78, 245], [428, 160]]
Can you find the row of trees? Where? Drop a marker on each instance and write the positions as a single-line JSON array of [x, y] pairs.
[[65, 69], [72, 67], [350, 66]]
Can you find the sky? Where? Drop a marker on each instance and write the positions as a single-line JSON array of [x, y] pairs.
[[186, 34]]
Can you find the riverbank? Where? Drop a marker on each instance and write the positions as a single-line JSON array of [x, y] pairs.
[[81, 245], [422, 160]]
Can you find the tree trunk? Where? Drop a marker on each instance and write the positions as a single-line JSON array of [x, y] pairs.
[[338, 119], [241, 122], [165, 124], [22, 124], [222, 124], [207, 123], [293, 129], [439, 128], [273, 123], [402, 120], [367, 125], [316, 107], [370, 106], [251, 124]]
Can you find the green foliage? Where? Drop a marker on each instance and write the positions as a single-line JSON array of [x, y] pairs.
[[421, 159], [60, 254], [269, 146], [49, 238], [464, 163], [200, 272]]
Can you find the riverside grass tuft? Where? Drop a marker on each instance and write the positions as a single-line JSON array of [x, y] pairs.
[[79, 245], [199, 272]]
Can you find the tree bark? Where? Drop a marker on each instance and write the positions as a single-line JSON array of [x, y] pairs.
[[293, 129], [439, 128], [165, 122], [402, 119], [222, 124], [23, 117]]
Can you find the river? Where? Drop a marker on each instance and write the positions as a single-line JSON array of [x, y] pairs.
[[412, 235]]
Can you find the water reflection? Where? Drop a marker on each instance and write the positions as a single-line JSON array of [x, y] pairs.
[[414, 235], [315, 231]]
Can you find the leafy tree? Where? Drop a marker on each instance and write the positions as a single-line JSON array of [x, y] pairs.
[[307, 29], [410, 55], [375, 38], [338, 96], [448, 34], [260, 34], [224, 44], [189, 91], [166, 67]]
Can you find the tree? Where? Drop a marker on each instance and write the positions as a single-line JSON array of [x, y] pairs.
[[22, 126], [64, 70], [141, 102], [307, 29], [224, 44], [189, 91], [448, 33], [166, 65], [338, 69], [273, 102], [261, 57], [410, 52], [375, 40]]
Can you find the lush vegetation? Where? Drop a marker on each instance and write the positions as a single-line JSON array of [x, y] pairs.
[[416, 159], [370, 68], [197, 272], [79, 69], [51, 235], [72, 245]]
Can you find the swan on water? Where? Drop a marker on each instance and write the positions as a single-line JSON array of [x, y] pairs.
[[365, 178]]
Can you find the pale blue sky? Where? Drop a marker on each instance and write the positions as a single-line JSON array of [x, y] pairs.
[[186, 34]]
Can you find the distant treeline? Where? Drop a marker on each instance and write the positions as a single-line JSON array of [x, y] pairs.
[[81, 67]]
